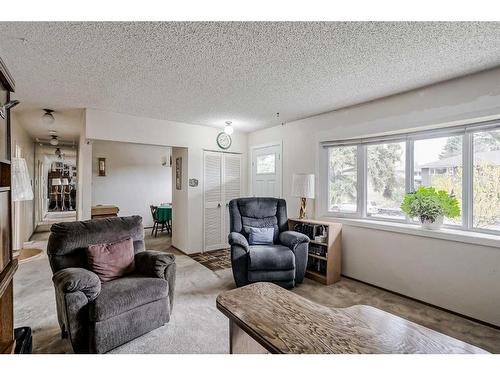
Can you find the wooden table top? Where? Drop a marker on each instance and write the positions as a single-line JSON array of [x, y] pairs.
[[284, 322], [104, 209]]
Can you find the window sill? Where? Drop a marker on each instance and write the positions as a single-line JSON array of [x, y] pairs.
[[474, 238]]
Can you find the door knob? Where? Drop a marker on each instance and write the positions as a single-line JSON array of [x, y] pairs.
[[218, 205]]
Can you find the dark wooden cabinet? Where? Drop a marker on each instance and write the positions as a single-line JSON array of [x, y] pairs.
[[8, 265]]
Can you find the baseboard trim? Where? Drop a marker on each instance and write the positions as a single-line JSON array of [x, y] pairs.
[[491, 325], [179, 250]]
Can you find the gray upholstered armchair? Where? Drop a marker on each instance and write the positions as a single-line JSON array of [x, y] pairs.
[[283, 261], [98, 317]]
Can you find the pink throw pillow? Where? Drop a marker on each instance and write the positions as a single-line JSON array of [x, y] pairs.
[[111, 260]]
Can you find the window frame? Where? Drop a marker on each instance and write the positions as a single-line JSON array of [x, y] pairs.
[[365, 180], [346, 214], [257, 164], [467, 133]]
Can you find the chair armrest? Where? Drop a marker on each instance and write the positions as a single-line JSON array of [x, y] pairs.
[[70, 280], [160, 265], [153, 263], [238, 239], [291, 239]]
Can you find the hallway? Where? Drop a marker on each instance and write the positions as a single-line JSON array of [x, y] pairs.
[[54, 217]]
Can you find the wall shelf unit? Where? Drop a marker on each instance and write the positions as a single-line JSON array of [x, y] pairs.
[[323, 268]]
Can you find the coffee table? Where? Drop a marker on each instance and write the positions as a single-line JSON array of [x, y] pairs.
[[265, 318]]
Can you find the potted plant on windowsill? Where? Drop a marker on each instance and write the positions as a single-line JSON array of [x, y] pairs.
[[430, 206]]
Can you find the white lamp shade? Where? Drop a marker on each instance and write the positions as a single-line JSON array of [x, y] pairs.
[[303, 186], [21, 182], [56, 182], [64, 181]]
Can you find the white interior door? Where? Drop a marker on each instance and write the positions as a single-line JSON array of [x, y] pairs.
[[213, 213], [222, 182], [232, 186], [266, 171]]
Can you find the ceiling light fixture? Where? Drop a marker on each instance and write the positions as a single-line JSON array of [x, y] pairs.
[[48, 117], [53, 140], [228, 129]]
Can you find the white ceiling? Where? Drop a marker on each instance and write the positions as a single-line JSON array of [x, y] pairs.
[[68, 152], [67, 125], [207, 73]]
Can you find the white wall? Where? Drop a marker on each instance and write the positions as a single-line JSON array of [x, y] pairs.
[[111, 126], [457, 276], [135, 177], [23, 212], [84, 174], [180, 199]]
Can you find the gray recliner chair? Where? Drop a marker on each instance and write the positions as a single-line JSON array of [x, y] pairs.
[[98, 317], [283, 262]]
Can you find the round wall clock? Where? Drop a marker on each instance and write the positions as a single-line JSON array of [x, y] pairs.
[[224, 140]]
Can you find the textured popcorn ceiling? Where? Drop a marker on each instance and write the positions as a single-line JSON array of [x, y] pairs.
[[207, 73]]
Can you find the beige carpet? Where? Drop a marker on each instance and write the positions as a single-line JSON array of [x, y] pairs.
[[197, 326], [25, 255]]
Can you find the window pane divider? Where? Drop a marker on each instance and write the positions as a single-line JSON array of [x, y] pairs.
[[409, 171], [362, 173], [467, 180], [409, 167]]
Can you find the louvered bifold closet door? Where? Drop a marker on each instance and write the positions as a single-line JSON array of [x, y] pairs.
[[232, 186], [213, 215]]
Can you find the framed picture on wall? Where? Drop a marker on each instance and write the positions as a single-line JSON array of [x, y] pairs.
[[178, 173], [102, 166]]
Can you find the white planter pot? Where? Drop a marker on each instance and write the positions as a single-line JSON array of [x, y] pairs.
[[437, 224]]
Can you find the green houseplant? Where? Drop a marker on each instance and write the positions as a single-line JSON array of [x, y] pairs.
[[430, 206]]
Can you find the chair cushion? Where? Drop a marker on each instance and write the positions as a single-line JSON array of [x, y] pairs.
[[258, 207], [264, 222], [260, 236], [69, 241], [110, 261], [270, 257], [124, 294]]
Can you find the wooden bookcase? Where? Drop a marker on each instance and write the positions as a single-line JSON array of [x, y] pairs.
[[8, 265], [333, 245]]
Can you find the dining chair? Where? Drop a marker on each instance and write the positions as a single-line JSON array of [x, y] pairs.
[[156, 222], [153, 214]]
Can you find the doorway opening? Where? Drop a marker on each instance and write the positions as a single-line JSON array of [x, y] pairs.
[[134, 179], [56, 185]]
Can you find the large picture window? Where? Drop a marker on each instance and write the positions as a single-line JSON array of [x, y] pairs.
[[368, 178], [486, 180], [342, 179], [438, 163], [385, 184]]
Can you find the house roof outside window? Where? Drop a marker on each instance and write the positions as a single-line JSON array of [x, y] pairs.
[[489, 157]]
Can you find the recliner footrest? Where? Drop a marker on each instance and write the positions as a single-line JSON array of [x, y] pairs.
[[271, 275], [270, 257]]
